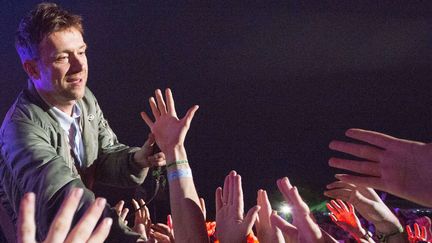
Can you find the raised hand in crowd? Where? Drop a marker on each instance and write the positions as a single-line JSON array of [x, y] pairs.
[[170, 133], [122, 212], [163, 233], [84, 230], [266, 231], [418, 235], [369, 205], [142, 223], [343, 215], [304, 228], [388, 164], [142, 220], [232, 225], [426, 222]]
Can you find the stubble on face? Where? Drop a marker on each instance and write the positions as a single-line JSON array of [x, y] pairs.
[[62, 67]]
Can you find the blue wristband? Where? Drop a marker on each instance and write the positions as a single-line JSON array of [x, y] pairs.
[[179, 173]]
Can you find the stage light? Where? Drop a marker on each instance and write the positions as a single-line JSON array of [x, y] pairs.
[[285, 209]]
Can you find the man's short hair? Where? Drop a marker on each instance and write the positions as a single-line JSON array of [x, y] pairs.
[[44, 19]]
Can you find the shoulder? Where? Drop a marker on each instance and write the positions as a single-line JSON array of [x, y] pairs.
[[26, 110], [26, 117]]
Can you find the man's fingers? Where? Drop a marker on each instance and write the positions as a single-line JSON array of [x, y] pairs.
[[366, 181], [119, 207], [340, 185], [350, 207], [218, 199], [423, 235], [124, 214], [101, 232], [337, 207], [26, 229], [147, 119], [160, 237], [250, 218], [331, 208], [371, 137], [359, 150], [84, 228], [238, 195], [342, 205], [170, 103], [190, 114], [284, 187], [409, 231], [231, 185], [297, 200], [416, 229], [150, 140], [169, 221], [62, 222], [137, 211], [343, 194], [203, 207], [289, 230], [162, 228], [361, 167], [157, 159], [140, 229], [333, 218], [154, 108], [160, 102]]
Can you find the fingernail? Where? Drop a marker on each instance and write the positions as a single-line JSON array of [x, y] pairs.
[[77, 192], [108, 221], [100, 201], [30, 197]]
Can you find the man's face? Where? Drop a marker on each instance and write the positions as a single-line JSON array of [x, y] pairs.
[[62, 67]]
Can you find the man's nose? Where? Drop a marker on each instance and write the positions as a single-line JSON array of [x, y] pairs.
[[78, 63]]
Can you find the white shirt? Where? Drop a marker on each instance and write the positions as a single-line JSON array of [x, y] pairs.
[[70, 124]]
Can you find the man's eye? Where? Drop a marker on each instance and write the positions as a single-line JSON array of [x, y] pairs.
[[81, 53], [61, 58]]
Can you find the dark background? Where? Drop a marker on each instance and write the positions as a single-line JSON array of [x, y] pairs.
[[275, 81]]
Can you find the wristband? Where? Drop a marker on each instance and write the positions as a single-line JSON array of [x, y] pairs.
[[180, 173], [177, 162], [382, 237]]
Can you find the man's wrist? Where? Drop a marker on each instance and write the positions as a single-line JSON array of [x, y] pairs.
[[137, 159], [176, 154], [361, 234], [384, 236]]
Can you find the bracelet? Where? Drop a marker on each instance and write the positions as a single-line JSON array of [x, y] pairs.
[[382, 237], [180, 173], [177, 162]]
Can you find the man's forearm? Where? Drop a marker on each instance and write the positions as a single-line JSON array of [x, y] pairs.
[[187, 216]]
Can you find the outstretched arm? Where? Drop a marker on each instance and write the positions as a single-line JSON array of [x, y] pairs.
[[84, 230], [370, 206], [266, 231], [231, 225], [303, 228], [387, 163], [343, 215], [170, 132]]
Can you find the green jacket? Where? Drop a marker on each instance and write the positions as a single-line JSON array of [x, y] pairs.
[[35, 157]]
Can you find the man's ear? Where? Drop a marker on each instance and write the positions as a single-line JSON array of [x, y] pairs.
[[31, 68]]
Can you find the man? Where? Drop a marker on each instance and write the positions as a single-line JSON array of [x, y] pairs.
[[55, 137]]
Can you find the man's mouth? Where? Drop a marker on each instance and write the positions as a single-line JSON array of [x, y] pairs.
[[74, 80]]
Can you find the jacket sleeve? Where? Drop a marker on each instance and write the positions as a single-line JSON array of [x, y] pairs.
[[114, 164], [33, 164]]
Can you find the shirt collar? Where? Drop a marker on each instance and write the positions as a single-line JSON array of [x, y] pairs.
[[64, 119]]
